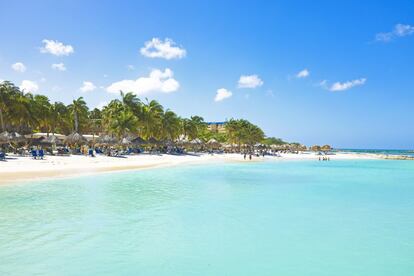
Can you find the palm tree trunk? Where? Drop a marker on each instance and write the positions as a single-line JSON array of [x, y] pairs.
[[1, 120], [76, 121]]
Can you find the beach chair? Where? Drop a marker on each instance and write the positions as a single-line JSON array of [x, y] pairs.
[[34, 154], [41, 153], [2, 156], [90, 153]]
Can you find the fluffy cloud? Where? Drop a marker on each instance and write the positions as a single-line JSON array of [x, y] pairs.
[[156, 48], [303, 74], [56, 48], [251, 81], [59, 66], [87, 87], [29, 86], [18, 67], [400, 30], [342, 86], [222, 94], [156, 81]]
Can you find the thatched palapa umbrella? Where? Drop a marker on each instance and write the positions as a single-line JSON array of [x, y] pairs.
[[138, 141], [213, 143], [125, 141], [315, 148], [153, 141], [326, 148], [11, 137], [106, 139], [75, 139], [196, 141]]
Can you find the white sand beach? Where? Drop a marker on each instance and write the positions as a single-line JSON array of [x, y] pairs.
[[18, 168]]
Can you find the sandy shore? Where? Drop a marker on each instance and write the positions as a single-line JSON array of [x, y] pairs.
[[18, 169]]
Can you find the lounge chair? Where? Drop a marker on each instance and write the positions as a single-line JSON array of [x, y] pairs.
[[90, 153], [2, 156], [34, 154], [41, 154]]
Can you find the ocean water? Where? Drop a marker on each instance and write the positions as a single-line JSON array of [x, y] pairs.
[[263, 218], [380, 151]]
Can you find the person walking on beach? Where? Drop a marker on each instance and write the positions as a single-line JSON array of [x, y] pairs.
[[244, 156], [250, 156]]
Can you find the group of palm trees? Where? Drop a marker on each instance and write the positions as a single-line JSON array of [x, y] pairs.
[[27, 113]]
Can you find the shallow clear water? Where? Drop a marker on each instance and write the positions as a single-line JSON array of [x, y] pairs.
[[271, 218], [380, 151]]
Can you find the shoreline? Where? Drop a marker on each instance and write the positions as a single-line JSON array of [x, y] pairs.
[[19, 169]]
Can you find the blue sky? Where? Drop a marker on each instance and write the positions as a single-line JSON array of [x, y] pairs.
[[310, 71]]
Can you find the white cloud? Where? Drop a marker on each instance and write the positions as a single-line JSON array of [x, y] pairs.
[[56, 48], [156, 48], [58, 66], [342, 86], [303, 74], [400, 30], [222, 94], [156, 81], [18, 67], [29, 86], [87, 86], [251, 81]]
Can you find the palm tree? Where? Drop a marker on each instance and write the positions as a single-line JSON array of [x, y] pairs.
[[243, 132], [41, 109], [151, 119], [170, 125], [132, 102], [110, 111], [123, 123], [25, 113], [78, 110], [95, 120], [6, 90], [189, 129], [58, 117]]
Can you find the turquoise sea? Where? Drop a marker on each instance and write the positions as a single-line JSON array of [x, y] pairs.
[[380, 151], [262, 218]]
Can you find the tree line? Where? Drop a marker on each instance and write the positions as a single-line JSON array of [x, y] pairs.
[[27, 113]]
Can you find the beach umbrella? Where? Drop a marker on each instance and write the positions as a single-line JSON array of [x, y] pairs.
[[138, 141], [75, 138], [196, 141], [326, 148], [153, 141], [106, 139], [315, 148], [125, 141], [41, 141], [182, 140], [8, 137], [168, 143], [53, 139]]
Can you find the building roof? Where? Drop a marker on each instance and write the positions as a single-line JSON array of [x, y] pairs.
[[216, 123]]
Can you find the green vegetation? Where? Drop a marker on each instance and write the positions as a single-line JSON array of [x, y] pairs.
[[27, 113]]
